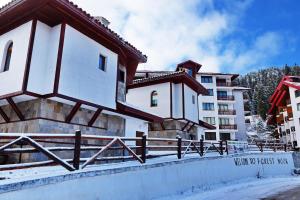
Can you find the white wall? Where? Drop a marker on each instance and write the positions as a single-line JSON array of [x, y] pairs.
[[151, 181], [191, 110], [11, 81], [141, 97], [296, 114], [132, 125], [44, 58], [81, 77], [240, 115], [177, 100]]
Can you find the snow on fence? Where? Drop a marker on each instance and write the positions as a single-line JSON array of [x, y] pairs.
[[107, 149]]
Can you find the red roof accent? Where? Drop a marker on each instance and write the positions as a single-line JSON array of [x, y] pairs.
[[133, 112], [206, 125], [54, 12], [189, 64], [175, 77]]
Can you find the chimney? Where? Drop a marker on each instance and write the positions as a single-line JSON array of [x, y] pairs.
[[102, 20]]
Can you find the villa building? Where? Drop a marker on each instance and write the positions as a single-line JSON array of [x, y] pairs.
[[174, 97], [285, 110], [63, 70], [220, 108]]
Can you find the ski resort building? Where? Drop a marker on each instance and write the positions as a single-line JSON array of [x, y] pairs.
[[174, 97], [62, 69], [220, 107], [285, 110]]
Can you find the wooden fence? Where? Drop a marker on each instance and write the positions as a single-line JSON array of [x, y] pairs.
[[97, 147]]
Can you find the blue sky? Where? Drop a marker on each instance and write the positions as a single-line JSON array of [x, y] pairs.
[[234, 36]]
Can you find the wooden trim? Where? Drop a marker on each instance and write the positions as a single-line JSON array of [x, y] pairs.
[[95, 116], [15, 108], [162, 126], [189, 129], [4, 116], [29, 55], [14, 94], [73, 112], [171, 99], [184, 127], [59, 57], [183, 102]]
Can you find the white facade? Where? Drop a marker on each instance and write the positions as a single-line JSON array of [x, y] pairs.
[[227, 112], [183, 107], [11, 81]]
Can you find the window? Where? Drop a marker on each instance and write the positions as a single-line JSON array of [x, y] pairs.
[[102, 62], [224, 121], [193, 99], [293, 128], [206, 79], [210, 92], [297, 93], [189, 72], [154, 99], [288, 131], [208, 106], [298, 106], [210, 120], [122, 76], [7, 57], [210, 136], [223, 107], [222, 93], [225, 136]]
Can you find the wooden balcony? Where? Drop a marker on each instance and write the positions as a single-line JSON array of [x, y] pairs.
[[226, 98], [228, 126], [279, 119], [290, 112], [227, 112], [227, 84]]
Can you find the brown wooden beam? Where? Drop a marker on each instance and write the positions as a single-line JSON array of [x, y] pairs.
[[185, 126], [162, 126], [4, 116], [95, 116], [73, 112], [191, 128], [15, 108]]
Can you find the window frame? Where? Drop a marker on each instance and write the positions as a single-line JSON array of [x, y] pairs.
[[100, 64], [213, 135], [206, 79], [7, 56], [153, 102], [208, 106]]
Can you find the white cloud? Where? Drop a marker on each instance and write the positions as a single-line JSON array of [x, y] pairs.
[[169, 31]]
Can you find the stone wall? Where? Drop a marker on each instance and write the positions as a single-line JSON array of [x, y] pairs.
[[47, 116]]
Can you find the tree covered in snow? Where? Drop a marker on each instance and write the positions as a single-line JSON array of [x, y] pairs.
[[262, 84], [260, 129]]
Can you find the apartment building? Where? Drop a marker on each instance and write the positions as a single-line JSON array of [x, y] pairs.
[[222, 106], [284, 112]]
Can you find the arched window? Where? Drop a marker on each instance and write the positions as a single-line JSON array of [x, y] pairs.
[[154, 99], [7, 56]]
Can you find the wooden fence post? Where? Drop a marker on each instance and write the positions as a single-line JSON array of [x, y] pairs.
[[77, 149], [226, 145], [261, 147], [201, 147], [221, 147], [179, 144], [285, 147], [144, 148]]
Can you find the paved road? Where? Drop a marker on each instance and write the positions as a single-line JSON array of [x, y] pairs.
[[292, 194]]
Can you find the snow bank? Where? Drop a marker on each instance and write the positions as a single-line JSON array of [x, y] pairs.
[[157, 178]]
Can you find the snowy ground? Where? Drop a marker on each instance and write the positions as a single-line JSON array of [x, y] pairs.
[[248, 189]]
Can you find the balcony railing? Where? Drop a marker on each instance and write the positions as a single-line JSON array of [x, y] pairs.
[[228, 126], [226, 98], [227, 112], [227, 84]]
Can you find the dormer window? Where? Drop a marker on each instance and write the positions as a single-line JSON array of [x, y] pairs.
[[122, 76], [154, 96], [102, 62], [7, 57]]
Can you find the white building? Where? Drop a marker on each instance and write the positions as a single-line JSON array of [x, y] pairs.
[[285, 110], [62, 70], [172, 96], [222, 106]]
